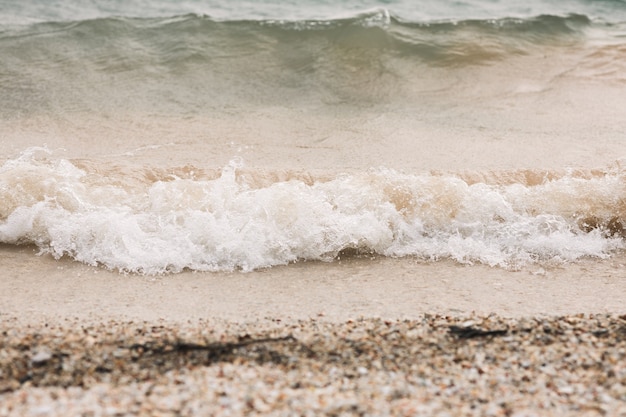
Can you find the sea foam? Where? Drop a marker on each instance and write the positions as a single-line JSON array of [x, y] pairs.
[[234, 221]]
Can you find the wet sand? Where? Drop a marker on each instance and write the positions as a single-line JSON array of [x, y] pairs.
[[34, 289]]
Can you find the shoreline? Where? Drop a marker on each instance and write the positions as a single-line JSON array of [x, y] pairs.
[[358, 336], [38, 288]]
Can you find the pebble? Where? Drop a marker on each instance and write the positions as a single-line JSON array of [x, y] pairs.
[[433, 365], [41, 356]]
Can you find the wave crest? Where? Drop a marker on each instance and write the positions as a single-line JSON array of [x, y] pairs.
[[238, 218]]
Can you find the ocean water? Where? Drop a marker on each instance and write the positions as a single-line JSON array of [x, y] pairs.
[[161, 136]]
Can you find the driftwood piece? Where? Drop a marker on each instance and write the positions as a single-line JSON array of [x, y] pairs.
[[214, 350], [473, 332]]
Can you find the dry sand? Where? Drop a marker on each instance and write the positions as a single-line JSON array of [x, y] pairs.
[[435, 365]]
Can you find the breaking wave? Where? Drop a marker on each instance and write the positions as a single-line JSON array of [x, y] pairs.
[[155, 221]]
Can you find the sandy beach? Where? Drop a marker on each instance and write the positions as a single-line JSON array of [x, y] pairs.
[[437, 339], [435, 365], [411, 211]]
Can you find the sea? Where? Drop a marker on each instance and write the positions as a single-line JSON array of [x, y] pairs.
[[159, 136]]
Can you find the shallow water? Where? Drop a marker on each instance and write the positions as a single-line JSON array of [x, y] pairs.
[[187, 136]]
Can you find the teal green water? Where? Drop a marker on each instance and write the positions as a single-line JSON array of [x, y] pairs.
[[183, 58], [414, 11]]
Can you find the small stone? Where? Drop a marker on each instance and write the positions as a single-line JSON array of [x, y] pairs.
[[41, 357]]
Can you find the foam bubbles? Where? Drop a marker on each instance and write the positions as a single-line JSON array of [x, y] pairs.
[[236, 222]]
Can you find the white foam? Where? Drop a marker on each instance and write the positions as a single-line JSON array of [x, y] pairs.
[[228, 223]]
